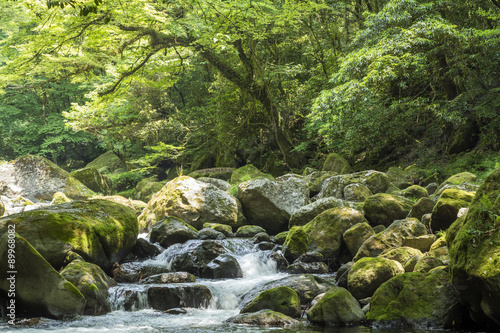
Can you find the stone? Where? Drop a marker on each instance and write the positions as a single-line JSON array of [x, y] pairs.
[[197, 256], [39, 289], [146, 188], [296, 243], [421, 243], [143, 249], [299, 267], [279, 238], [209, 233], [93, 283], [169, 278], [223, 228], [100, 231], [415, 191], [270, 204], [308, 212], [401, 254], [439, 249], [248, 231], [172, 230], [446, 210], [343, 273], [280, 299], [336, 308], [248, 172], [356, 235], [224, 266], [384, 208], [94, 180], [59, 198], [310, 257], [314, 180], [221, 184], [357, 192], [421, 207], [369, 273], [261, 237], [376, 181], [426, 264], [179, 296], [417, 300], [263, 318], [336, 163], [107, 163]]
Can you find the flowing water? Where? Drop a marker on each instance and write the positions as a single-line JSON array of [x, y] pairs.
[[226, 296]]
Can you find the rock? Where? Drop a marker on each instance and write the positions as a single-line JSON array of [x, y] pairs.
[[221, 184], [261, 237], [447, 207], [146, 188], [415, 191], [248, 172], [368, 274], [263, 246], [2, 208], [426, 264], [196, 256], [384, 208], [432, 188], [175, 311], [93, 283], [213, 173], [270, 204], [196, 203], [421, 207], [143, 249], [179, 296], [223, 228], [299, 267], [391, 237], [310, 257], [248, 231], [306, 286], [296, 243], [439, 249], [325, 233], [411, 263], [59, 198], [343, 273], [224, 266], [280, 299], [94, 180], [263, 318], [308, 212], [280, 238], [102, 232], [379, 228], [336, 308], [457, 179], [336, 163], [107, 163], [37, 178], [273, 256], [116, 198], [401, 254], [357, 192], [314, 180], [39, 289], [426, 220], [474, 257], [376, 181], [169, 278], [417, 300], [209, 233], [356, 235], [172, 230], [422, 243]]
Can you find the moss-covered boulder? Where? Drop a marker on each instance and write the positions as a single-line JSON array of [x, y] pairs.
[[215, 173], [194, 202], [280, 238], [421, 207], [270, 204], [446, 209], [356, 235], [102, 232], [426, 264], [118, 199], [376, 181], [325, 233], [473, 242], [248, 172], [336, 308], [172, 230], [92, 282], [223, 228], [415, 191], [384, 208], [459, 178], [146, 188], [368, 274], [421, 243], [296, 243], [336, 163], [401, 254], [357, 192], [419, 300], [224, 266], [314, 180], [391, 237], [439, 249], [307, 213], [39, 289], [37, 178], [248, 231], [107, 163], [94, 180], [221, 184], [263, 318], [60, 198], [280, 299]]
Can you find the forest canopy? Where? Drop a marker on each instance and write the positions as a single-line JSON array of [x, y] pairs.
[[203, 83]]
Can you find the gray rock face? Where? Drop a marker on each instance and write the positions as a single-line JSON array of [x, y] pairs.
[[179, 296], [307, 213], [270, 204], [221, 184], [224, 266], [172, 230], [376, 181]]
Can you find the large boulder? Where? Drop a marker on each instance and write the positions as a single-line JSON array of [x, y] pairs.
[[224, 266], [195, 257], [94, 180], [248, 172], [401, 254], [393, 236], [356, 235], [357, 192], [264, 317], [248, 231], [325, 232], [368, 274], [102, 232], [37, 178], [376, 181], [270, 204], [336, 163], [306, 213], [39, 289], [167, 297], [384, 208], [108, 162], [93, 283], [194, 202], [172, 230], [336, 308], [280, 299], [447, 207], [421, 207], [473, 243], [315, 179], [296, 243], [419, 300]]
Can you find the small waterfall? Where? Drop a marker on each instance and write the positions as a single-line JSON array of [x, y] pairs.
[[129, 297]]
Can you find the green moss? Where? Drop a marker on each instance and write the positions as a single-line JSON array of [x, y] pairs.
[[60, 198], [224, 228], [72, 289], [281, 299], [296, 243], [248, 172], [336, 163]]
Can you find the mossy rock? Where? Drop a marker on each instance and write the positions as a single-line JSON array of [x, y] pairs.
[[60, 198], [336, 308], [314, 180], [368, 274], [2, 208], [280, 299], [421, 243], [107, 163], [172, 230], [401, 254], [248, 172], [94, 180], [40, 289], [417, 300], [357, 192], [415, 191], [263, 318], [473, 243], [356, 235], [336, 163], [446, 209], [325, 233], [248, 231], [307, 213], [222, 228], [93, 283], [384, 208], [421, 207], [280, 238], [102, 232], [376, 181], [145, 189], [296, 243], [219, 173], [426, 264]]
